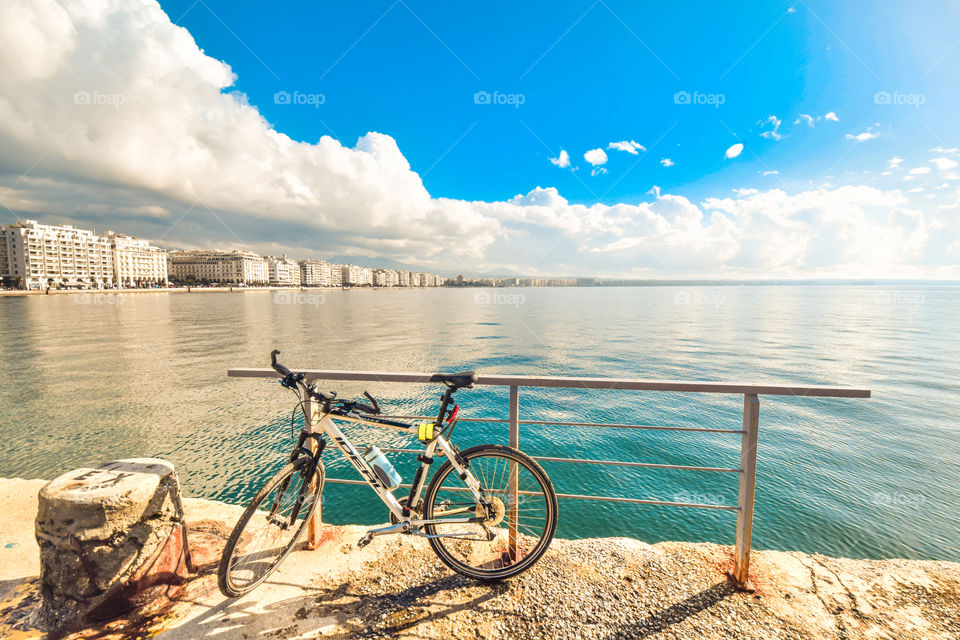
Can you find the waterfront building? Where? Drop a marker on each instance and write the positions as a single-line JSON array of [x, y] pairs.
[[283, 271], [37, 256], [386, 278], [224, 267], [320, 273], [403, 278], [357, 276], [135, 262]]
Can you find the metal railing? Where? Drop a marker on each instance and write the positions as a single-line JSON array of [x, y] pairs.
[[748, 431]]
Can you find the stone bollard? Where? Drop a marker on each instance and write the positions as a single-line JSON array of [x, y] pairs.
[[112, 537]]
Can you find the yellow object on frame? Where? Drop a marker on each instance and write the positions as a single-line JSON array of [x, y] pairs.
[[425, 431]]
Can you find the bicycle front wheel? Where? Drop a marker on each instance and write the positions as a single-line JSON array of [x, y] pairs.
[[270, 526], [518, 512]]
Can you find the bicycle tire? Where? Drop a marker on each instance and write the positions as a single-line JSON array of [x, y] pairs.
[[535, 471], [312, 485]]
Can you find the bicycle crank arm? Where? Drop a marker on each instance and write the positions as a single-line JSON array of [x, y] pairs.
[[462, 536], [402, 527]]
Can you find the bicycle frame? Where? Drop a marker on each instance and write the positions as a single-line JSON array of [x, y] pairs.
[[407, 523]]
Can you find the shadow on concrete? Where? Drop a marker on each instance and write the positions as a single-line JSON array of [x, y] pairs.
[[662, 620], [356, 613]]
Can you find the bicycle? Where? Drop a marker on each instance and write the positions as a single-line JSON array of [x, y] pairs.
[[489, 512]]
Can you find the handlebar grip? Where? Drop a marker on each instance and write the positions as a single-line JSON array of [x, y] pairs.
[[279, 368], [376, 405]]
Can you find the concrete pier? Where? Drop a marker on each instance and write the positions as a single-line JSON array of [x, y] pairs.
[[598, 588]]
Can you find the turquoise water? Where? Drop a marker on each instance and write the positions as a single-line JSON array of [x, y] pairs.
[[145, 375]]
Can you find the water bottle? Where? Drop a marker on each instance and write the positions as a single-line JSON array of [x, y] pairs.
[[382, 467]]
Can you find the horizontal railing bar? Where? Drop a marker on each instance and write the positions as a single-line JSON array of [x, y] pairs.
[[570, 382], [662, 503], [648, 465], [616, 463], [578, 424], [569, 496]]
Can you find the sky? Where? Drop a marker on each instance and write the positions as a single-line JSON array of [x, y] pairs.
[[598, 138]]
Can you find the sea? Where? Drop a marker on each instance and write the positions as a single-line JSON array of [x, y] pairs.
[[91, 377]]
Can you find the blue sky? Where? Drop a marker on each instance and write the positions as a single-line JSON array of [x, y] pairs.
[[454, 136], [595, 72]]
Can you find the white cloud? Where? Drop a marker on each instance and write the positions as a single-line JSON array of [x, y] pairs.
[[947, 151], [562, 160], [596, 171], [831, 116], [895, 162], [183, 158], [771, 172], [944, 164], [667, 162], [627, 145], [595, 157], [919, 171], [774, 122], [805, 118], [862, 137]]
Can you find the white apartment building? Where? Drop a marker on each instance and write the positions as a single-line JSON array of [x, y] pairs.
[[136, 263], [320, 273], [386, 278], [225, 267], [37, 256], [357, 276], [283, 271]]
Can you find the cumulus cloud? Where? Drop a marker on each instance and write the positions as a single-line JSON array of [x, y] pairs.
[[771, 172], [595, 157], [110, 115], [943, 164], [667, 162], [773, 133], [919, 171], [895, 162], [562, 160], [830, 115], [862, 137], [734, 150], [627, 145], [805, 118]]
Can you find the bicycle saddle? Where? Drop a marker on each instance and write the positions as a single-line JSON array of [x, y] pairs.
[[456, 380]]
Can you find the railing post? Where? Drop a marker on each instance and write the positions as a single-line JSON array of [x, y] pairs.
[[515, 443], [748, 483], [311, 413]]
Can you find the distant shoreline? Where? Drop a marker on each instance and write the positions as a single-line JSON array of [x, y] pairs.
[[651, 283]]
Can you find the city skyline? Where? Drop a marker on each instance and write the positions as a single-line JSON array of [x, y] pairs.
[[39, 256]]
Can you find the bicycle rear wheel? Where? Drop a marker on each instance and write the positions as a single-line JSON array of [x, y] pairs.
[[514, 533], [270, 526]]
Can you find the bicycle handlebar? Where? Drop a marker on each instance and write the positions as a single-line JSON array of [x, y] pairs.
[[291, 379]]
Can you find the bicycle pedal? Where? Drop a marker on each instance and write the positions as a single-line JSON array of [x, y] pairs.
[[364, 541]]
